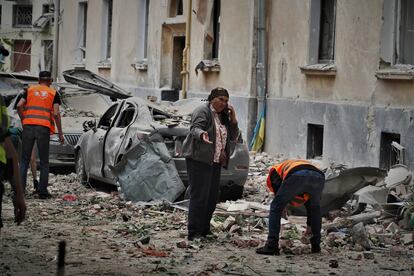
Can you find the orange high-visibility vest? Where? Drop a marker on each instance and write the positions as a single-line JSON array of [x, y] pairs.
[[39, 107], [283, 170]]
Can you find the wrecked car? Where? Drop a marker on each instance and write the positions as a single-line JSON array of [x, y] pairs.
[[117, 148], [134, 121]]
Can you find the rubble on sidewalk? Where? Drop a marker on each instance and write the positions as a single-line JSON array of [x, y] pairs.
[[156, 232]]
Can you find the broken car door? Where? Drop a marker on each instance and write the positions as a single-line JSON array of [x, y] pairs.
[[94, 155], [118, 141]]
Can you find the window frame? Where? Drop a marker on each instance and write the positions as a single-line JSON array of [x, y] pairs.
[[140, 60], [315, 33], [82, 31], [107, 23], [15, 24], [391, 66]]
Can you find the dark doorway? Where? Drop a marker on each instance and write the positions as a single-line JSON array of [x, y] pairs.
[[179, 44], [315, 141], [21, 55], [388, 157]]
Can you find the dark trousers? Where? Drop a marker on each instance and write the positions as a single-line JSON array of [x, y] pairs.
[[204, 183], [6, 172], [303, 181], [40, 135], [1, 201]]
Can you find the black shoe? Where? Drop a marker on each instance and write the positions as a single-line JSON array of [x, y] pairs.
[[194, 236], [35, 185], [45, 196], [316, 248], [268, 250]]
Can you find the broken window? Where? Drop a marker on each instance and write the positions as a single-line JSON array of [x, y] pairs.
[[126, 117], [46, 9], [21, 55], [106, 119], [388, 156], [315, 141], [322, 31], [142, 29], [22, 16], [107, 30], [212, 30], [397, 33], [46, 17], [82, 28], [49, 9], [176, 8], [406, 53]]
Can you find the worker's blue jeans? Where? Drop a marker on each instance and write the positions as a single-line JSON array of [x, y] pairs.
[[302, 181]]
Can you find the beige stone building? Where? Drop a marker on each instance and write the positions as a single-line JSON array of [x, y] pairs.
[[336, 76], [26, 31]]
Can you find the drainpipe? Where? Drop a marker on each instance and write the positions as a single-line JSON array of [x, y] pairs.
[[55, 39], [186, 51], [260, 66]]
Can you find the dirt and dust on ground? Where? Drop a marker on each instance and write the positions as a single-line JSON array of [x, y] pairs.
[[107, 236]]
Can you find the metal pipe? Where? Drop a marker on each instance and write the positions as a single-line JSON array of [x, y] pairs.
[[186, 51], [55, 39], [261, 62]]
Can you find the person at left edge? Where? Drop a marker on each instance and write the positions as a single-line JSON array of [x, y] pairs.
[[39, 110], [9, 168]]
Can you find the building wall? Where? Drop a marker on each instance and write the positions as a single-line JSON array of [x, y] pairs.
[[354, 106], [36, 36], [235, 54], [236, 58], [127, 17]]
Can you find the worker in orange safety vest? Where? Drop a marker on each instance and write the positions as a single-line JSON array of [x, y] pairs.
[[39, 111], [296, 182]]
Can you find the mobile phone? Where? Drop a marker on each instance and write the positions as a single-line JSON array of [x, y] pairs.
[[226, 110]]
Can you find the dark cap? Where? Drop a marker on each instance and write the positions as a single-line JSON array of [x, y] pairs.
[[217, 92], [45, 75]]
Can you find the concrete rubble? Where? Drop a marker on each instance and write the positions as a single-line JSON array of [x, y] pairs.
[[153, 236]]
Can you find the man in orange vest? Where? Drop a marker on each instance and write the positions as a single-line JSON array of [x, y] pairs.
[[39, 111], [296, 182]]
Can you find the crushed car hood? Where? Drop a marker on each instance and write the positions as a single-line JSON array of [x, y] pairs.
[[87, 79]]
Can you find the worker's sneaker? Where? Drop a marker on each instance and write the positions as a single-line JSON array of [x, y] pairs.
[[268, 250], [316, 248], [194, 237], [46, 195], [35, 185]]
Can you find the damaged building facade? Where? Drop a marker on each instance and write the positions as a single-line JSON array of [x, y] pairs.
[[338, 75], [26, 31]]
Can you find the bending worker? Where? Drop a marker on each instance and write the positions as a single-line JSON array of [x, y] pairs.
[[295, 182]]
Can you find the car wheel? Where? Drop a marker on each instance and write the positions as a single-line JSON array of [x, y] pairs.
[[233, 192], [80, 168]]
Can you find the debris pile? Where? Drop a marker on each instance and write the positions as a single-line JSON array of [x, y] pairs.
[[102, 228]]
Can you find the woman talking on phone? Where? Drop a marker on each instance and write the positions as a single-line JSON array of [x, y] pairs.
[[206, 149]]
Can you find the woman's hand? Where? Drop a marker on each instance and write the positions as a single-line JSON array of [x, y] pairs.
[[205, 138], [232, 114]]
